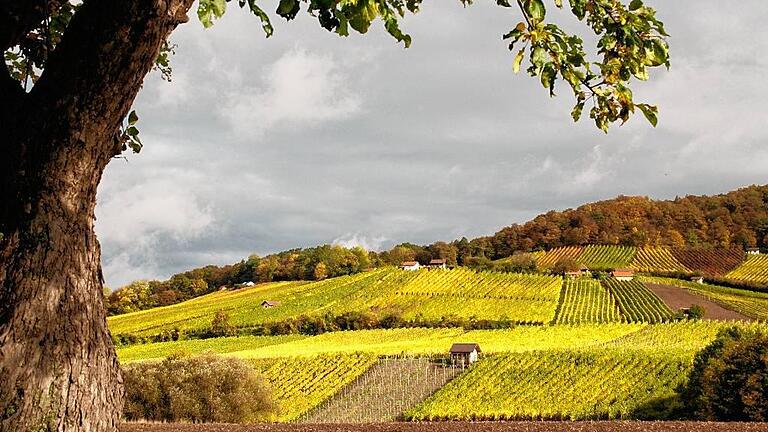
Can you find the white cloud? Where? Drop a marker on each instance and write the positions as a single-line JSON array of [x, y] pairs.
[[356, 239], [133, 222], [300, 88]]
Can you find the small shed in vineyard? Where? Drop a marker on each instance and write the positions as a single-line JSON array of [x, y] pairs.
[[465, 353]]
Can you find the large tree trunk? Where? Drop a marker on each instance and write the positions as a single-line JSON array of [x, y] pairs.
[[58, 368]]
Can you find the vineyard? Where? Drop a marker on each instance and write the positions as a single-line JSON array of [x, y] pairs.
[[427, 294], [657, 259], [385, 391], [556, 385], [586, 301], [299, 385], [714, 262], [548, 372], [636, 302], [750, 303], [410, 341], [606, 257], [754, 269], [547, 260]]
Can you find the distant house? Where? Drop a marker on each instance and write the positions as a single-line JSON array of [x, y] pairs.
[[584, 269], [223, 288], [623, 274], [573, 274], [266, 304], [437, 263], [410, 265], [249, 284], [753, 251], [697, 279], [464, 354]]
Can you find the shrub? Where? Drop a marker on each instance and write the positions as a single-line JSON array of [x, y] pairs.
[[220, 326], [198, 389], [729, 380]]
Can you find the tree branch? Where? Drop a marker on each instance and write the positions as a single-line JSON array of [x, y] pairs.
[[98, 67], [19, 17]]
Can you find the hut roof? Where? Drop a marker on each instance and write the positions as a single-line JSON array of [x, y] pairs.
[[464, 348]]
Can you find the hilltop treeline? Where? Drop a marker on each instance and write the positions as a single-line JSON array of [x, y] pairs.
[[735, 219], [315, 263], [738, 219]]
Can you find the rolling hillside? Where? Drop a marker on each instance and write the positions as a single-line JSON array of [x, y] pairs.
[[577, 348], [428, 295]]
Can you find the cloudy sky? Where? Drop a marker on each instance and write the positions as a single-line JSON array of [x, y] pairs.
[[260, 145]]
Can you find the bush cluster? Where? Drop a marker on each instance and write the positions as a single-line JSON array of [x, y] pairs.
[[729, 380], [197, 389], [319, 324]]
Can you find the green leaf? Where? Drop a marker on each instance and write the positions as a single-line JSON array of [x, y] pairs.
[[288, 9], [579, 8], [208, 10], [650, 112], [518, 60], [535, 10], [635, 5], [559, 3], [133, 118], [577, 109], [539, 57]]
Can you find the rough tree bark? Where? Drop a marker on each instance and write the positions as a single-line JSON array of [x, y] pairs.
[[58, 368]]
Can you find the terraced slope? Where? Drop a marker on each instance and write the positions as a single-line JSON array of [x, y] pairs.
[[556, 385], [657, 259], [586, 301], [754, 269], [636, 302], [299, 385], [384, 392], [714, 262], [606, 257]]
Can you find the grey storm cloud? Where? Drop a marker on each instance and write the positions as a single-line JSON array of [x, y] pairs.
[[260, 145]]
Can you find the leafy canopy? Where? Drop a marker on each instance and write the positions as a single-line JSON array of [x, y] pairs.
[[630, 41]]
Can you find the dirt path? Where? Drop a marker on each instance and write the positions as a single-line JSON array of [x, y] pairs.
[[676, 297], [542, 426]]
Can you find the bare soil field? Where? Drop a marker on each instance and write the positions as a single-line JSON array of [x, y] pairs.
[[530, 426], [677, 297]]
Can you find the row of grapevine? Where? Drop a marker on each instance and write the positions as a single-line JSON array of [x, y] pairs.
[[299, 385], [754, 269], [573, 385], [586, 301], [468, 283], [551, 257], [606, 257], [385, 391], [714, 262], [636, 302], [657, 259], [750, 303]]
